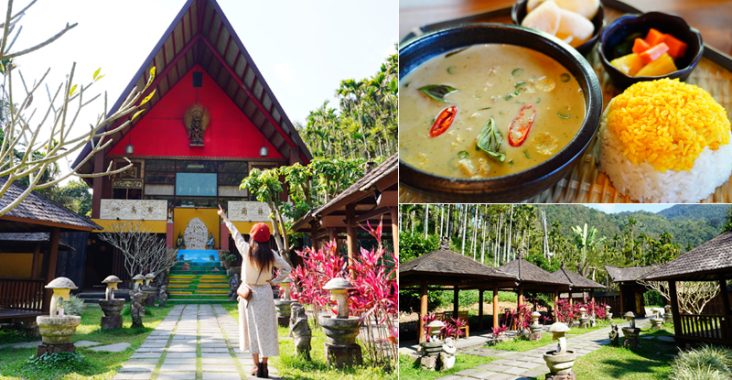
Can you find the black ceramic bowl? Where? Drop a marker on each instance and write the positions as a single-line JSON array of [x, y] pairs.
[[626, 25], [518, 12], [522, 185]]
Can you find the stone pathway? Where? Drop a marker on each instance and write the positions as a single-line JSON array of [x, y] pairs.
[[529, 364], [195, 342]]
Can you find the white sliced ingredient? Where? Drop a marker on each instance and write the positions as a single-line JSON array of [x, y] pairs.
[[574, 25], [587, 8], [532, 4], [545, 18]]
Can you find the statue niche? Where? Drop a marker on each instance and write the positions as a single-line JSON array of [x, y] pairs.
[[196, 121]]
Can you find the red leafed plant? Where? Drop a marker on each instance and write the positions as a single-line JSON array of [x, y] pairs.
[[498, 331], [375, 297], [520, 318], [565, 313]]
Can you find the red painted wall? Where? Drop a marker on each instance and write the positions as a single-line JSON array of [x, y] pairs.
[[161, 132]]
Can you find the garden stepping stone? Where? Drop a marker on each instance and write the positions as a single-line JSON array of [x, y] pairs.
[[86, 343], [117, 347]]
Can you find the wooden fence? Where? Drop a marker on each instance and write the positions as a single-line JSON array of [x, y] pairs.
[[703, 328], [22, 294]]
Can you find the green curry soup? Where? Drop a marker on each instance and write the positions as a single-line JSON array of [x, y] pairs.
[[487, 111]]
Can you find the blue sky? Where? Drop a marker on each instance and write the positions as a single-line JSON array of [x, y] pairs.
[[303, 48], [612, 208]]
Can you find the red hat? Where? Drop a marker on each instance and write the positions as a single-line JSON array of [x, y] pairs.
[[260, 232]]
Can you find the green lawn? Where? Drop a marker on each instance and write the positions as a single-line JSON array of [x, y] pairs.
[[409, 369], [546, 338], [290, 366], [95, 365]]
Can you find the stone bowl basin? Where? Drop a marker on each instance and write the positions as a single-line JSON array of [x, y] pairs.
[[340, 331], [560, 362], [57, 330]]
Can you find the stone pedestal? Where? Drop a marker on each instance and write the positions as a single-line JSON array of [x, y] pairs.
[[112, 309], [283, 311], [430, 354], [151, 295], [535, 332], [56, 333], [560, 365], [657, 323], [631, 337], [340, 345]]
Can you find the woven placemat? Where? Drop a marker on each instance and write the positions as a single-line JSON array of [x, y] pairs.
[[587, 184]]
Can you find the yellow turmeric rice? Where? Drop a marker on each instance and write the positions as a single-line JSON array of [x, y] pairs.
[[667, 123]]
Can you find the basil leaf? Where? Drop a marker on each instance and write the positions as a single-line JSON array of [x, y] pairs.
[[437, 91], [489, 141]]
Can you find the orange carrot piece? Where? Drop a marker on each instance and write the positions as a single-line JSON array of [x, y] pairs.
[[640, 45], [676, 47], [654, 37], [653, 53]]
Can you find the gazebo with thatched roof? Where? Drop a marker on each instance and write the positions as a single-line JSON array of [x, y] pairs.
[[631, 291], [534, 279], [447, 269], [576, 282], [711, 261]]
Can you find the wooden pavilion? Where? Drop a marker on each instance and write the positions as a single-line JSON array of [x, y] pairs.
[[444, 269], [631, 291], [711, 261], [372, 198], [576, 283], [531, 278], [29, 251]]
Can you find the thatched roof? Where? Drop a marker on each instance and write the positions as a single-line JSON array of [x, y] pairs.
[[36, 212], [532, 277], [575, 279], [710, 261], [444, 267], [629, 274]]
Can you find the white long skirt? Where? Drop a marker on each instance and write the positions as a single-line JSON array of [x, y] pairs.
[[258, 323]]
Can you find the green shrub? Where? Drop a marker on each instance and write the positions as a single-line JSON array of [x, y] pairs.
[[74, 306], [60, 361], [705, 363]]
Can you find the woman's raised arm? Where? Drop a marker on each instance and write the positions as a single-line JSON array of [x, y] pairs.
[[241, 245]]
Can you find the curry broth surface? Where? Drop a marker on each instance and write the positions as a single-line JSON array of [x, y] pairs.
[[492, 81]]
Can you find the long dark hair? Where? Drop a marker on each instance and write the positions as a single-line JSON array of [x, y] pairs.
[[260, 254]]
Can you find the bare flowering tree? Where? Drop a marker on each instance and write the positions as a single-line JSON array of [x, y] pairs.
[[144, 251], [35, 136], [692, 296]]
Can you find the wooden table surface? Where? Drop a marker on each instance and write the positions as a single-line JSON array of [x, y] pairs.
[[712, 17]]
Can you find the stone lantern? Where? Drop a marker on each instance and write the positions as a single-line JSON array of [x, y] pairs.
[[631, 332], [584, 318], [341, 330], [561, 360], [535, 326], [434, 328], [137, 281], [608, 314], [284, 304], [151, 292], [431, 350], [657, 320], [668, 316], [57, 329], [111, 307]]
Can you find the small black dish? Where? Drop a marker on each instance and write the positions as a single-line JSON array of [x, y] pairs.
[[624, 26], [518, 12], [522, 185]]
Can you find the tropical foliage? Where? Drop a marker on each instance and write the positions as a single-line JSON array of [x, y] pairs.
[[364, 125]]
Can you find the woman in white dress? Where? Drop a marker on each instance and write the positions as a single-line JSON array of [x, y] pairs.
[[257, 318]]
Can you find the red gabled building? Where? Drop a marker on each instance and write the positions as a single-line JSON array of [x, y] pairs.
[[213, 119]]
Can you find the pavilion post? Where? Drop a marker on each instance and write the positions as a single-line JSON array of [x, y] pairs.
[[314, 234], [495, 308], [97, 183], [350, 232], [622, 300], [726, 330], [675, 310], [519, 302], [455, 302], [51, 265], [480, 309], [556, 308], [394, 230], [422, 309]]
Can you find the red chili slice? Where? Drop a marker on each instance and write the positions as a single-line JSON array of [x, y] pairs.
[[521, 125], [443, 121]]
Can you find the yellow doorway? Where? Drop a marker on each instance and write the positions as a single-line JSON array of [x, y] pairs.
[[183, 215]]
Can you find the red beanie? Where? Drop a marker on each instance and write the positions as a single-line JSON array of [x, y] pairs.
[[260, 232]]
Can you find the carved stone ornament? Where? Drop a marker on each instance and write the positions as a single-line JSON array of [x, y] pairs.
[[196, 121]]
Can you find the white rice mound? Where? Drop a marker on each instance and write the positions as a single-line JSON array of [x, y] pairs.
[[643, 183]]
